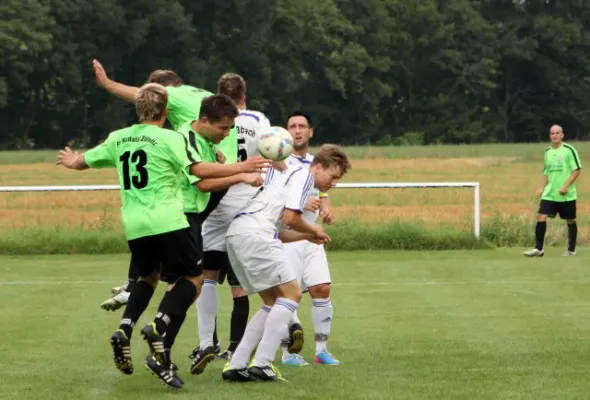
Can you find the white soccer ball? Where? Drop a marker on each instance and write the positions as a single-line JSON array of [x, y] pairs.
[[275, 144]]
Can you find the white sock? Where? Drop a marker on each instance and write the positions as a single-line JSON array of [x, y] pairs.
[[285, 348], [207, 305], [321, 315], [274, 330], [252, 336], [294, 319]]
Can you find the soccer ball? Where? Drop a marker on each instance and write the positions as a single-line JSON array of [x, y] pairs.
[[275, 144]]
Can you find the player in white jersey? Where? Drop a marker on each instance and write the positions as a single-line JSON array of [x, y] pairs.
[[254, 246], [309, 259], [216, 265]]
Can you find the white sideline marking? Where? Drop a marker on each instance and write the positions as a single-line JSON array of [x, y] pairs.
[[415, 283]]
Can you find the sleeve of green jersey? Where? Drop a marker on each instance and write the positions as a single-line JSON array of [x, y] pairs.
[[192, 157], [229, 147], [101, 156], [574, 160]]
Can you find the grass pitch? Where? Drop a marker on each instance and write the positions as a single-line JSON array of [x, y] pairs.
[[407, 325]]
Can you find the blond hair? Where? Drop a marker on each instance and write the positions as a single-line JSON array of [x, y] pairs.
[[331, 155], [150, 102], [233, 86]]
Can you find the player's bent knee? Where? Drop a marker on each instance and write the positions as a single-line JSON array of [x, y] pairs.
[[211, 274], [152, 279], [290, 290], [541, 218], [321, 291], [237, 291], [571, 221]]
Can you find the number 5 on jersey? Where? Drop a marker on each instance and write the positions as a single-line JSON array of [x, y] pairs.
[[139, 158]]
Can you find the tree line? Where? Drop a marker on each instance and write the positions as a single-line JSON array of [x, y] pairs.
[[372, 71]]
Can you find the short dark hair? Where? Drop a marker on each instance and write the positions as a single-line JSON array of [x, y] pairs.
[[299, 114], [165, 77], [217, 107], [232, 85]]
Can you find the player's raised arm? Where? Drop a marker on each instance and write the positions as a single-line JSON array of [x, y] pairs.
[[71, 160], [120, 90]]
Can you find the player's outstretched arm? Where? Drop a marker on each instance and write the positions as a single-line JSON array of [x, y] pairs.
[[71, 160], [205, 170], [217, 184], [124, 92]]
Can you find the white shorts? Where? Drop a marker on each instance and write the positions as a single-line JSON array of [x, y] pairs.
[[215, 227], [258, 261], [309, 262]]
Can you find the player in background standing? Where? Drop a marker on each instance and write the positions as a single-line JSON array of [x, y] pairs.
[[309, 259], [562, 166], [259, 261], [249, 125], [184, 105]]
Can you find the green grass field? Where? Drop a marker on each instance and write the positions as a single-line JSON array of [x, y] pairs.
[[407, 325]]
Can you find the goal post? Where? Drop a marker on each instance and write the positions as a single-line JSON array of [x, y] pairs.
[[375, 185]]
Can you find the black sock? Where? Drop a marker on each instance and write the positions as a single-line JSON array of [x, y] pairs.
[[239, 320], [540, 230], [215, 338], [176, 302], [176, 322], [138, 302], [572, 236], [132, 277]]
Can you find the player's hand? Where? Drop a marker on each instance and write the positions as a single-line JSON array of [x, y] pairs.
[[563, 190], [253, 179], [539, 192], [100, 74], [322, 240], [312, 204], [220, 157], [279, 165], [327, 216], [320, 235], [255, 164], [67, 157]]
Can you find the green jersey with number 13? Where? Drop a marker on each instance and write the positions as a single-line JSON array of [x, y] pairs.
[[149, 162]]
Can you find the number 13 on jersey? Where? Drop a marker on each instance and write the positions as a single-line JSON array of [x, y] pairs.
[[140, 178]]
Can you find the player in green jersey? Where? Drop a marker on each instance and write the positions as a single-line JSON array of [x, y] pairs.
[[184, 101], [151, 163], [558, 193]]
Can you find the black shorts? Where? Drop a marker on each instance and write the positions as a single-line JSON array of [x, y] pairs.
[[173, 254], [219, 261], [565, 209]]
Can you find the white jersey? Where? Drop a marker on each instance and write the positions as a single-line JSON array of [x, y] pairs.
[[264, 212], [250, 125], [305, 162]]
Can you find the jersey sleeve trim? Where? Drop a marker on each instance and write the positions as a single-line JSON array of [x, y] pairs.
[[575, 155], [187, 150], [270, 173], [306, 189]]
